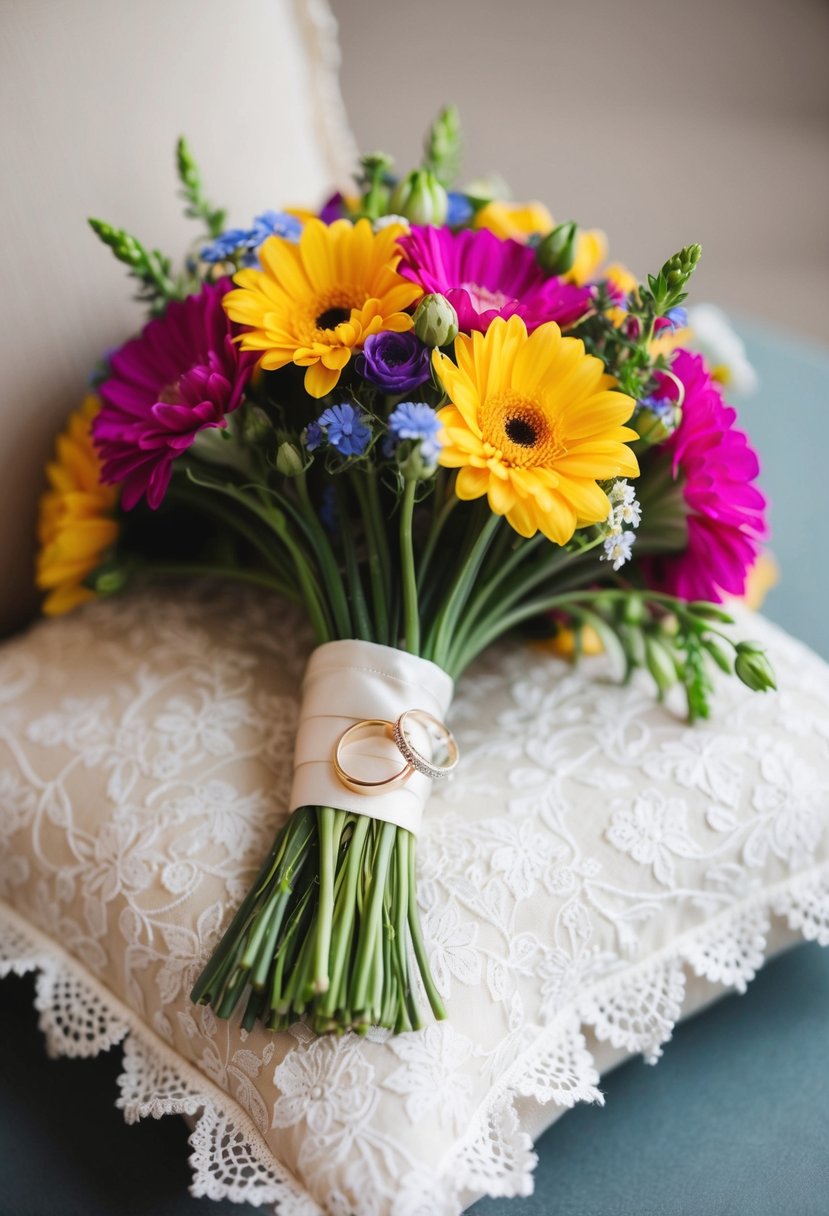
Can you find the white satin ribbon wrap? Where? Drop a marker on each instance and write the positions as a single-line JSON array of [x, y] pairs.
[[344, 683]]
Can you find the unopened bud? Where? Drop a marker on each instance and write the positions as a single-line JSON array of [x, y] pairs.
[[656, 419], [288, 460], [556, 252], [753, 668], [660, 664], [421, 198], [109, 580], [435, 321]]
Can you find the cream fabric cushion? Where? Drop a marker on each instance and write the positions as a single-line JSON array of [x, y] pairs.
[[93, 98], [596, 869]]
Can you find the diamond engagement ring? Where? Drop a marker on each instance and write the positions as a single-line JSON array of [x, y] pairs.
[[439, 736]]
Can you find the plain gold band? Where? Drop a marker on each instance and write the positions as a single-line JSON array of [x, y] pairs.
[[367, 727]]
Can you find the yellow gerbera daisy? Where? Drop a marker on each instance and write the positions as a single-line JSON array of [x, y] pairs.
[[76, 524], [315, 302], [533, 423], [514, 221]]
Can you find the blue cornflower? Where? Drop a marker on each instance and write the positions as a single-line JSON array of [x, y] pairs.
[[662, 407], [678, 317], [226, 245], [313, 436], [460, 209], [234, 240], [341, 426], [415, 420]]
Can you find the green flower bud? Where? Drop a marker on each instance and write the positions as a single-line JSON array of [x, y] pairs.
[[653, 427], [415, 468], [255, 425], [482, 190], [556, 252], [753, 668], [633, 610], [435, 321], [660, 664], [376, 163], [420, 198], [375, 170], [109, 579], [288, 460]]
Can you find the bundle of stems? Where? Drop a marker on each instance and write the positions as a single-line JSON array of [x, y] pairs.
[[329, 932]]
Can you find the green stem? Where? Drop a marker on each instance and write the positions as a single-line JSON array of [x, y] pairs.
[[497, 625], [239, 524], [257, 578], [377, 555], [411, 616], [359, 608], [364, 969], [419, 945], [345, 910], [325, 903], [481, 611], [276, 521], [438, 523], [447, 618], [325, 556]]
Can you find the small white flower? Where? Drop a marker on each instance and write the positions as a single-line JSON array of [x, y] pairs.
[[618, 549], [629, 513], [385, 221], [621, 493]]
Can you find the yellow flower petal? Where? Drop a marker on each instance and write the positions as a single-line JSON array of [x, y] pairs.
[[317, 300], [534, 423], [76, 524], [320, 379]]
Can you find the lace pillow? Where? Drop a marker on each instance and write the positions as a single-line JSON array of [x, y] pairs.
[[593, 853]]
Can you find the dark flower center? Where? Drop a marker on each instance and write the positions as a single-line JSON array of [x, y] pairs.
[[521, 432], [332, 317]]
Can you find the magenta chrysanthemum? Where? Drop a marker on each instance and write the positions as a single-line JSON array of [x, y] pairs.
[[184, 373], [484, 278], [715, 467]]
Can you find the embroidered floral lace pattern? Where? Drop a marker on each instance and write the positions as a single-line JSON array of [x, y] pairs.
[[592, 853]]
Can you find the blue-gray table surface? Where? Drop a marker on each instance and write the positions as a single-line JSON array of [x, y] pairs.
[[733, 1122]]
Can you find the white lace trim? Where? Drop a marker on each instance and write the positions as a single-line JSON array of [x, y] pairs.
[[635, 1010]]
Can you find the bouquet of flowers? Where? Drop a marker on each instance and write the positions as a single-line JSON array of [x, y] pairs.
[[431, 417]]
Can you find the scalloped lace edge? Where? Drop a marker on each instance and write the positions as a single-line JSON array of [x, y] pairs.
[[634, 1009]]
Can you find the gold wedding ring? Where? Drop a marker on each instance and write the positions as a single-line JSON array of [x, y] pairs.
[[415, 761], [438, 734], [362, 730]]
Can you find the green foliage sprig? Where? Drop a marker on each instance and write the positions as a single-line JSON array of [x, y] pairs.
[[198, 208], [150, 268], [443, 147]]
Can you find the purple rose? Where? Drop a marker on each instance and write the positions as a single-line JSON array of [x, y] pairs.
[[396, 363]]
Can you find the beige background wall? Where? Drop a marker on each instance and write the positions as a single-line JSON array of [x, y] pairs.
[[661, 122]]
